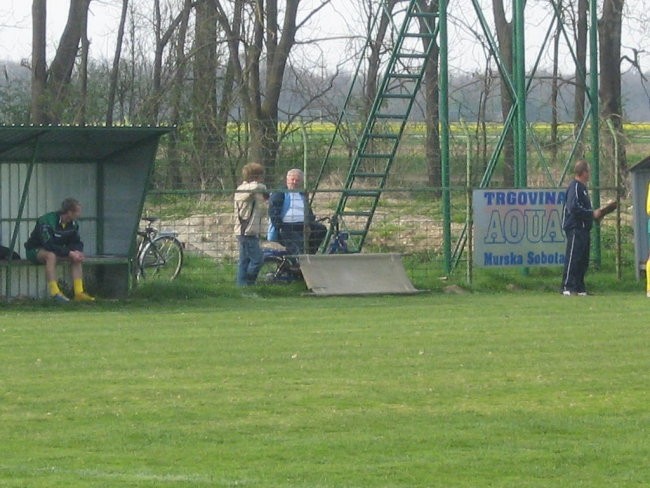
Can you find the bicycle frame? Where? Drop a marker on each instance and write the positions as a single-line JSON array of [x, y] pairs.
[[148, 247], [146, 236], [287, 268], [339, 240]]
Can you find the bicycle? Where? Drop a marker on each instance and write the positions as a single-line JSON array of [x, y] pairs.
[[281, 267], [159, 255]]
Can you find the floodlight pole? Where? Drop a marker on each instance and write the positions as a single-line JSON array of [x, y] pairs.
[[443, 114], [519, 76]]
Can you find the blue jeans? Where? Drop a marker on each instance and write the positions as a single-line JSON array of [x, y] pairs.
[[251, 259]]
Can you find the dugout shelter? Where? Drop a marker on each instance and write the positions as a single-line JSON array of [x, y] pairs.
[[640, 176], [106, 168]]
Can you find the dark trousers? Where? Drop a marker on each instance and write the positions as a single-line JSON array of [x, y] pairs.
[[576, 260], [292, 237]]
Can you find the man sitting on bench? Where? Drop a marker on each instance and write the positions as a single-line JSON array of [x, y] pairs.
[[289, 212], [56, 235]]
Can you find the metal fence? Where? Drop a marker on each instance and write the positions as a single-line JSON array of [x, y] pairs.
[[407, 221], [409, 218]]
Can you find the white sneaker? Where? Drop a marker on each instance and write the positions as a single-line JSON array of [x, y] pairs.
[[582, 293], [60, 298], [648, 294], [566, 293]]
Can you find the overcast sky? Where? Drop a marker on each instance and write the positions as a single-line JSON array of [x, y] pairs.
[[103, 20], [466, 54]]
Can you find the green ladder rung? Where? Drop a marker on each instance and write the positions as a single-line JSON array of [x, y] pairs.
[[400, 96], [412, 61], [361, 193], [382, 136], [374, 156], [419, 35], [390, 116], [411, 55], [406, 76], [355, 213]]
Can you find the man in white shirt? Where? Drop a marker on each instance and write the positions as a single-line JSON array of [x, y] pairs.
[[289, 211]]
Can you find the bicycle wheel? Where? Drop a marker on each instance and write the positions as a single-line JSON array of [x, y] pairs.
[[279, 270], [269, 270], [161, 259]]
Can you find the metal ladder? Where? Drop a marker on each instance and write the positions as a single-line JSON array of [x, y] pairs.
[[380, 137]]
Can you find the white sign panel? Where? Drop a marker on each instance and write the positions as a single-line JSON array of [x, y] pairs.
[[521, 227]]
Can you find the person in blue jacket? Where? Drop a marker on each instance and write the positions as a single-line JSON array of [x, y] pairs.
[[577, 222], [290, 213]]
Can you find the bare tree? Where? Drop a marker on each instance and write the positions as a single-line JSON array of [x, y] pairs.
[[377, 16], [116, 65], [555, 90], [39, 65], [609, 32], [504, 30], [174, 176], [50, 87], [207, 151], [263, 41], [60, 72], [231, 154], [581, 29], [431, 96], [163, 34], [80, 116], [377, 48], [488, 78]]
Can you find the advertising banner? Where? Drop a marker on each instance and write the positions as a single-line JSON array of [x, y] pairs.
[[518, 227]]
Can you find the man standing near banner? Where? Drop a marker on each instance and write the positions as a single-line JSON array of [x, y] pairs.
[[577, 222]]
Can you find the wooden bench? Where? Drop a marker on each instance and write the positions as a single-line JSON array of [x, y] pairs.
[[104, 275], [91, 260]]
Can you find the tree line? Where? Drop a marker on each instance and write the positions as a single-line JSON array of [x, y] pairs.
[[222, 71]]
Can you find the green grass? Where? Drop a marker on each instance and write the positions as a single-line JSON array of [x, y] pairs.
[[483, 389]]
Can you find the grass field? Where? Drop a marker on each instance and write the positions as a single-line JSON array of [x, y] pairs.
[[522, 389]]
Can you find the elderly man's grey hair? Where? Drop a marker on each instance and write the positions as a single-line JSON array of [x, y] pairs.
[[296, 171]]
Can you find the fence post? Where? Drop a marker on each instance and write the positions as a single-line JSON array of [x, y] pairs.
[[468, 205], [617, 184]]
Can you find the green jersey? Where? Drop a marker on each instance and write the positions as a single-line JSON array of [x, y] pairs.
[[52, 235]]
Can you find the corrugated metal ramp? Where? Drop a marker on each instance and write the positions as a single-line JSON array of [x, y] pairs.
[[355, 274]]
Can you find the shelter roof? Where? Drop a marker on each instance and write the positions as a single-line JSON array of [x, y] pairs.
[[71, 144], [643, 164]]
